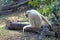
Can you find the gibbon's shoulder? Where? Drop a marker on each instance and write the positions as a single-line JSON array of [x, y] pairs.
[[35, 12]]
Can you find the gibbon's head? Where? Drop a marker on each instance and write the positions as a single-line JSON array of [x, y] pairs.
[[27, 13], [30, 11]]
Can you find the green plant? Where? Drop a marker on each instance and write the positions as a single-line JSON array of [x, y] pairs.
[[45, 6], [27, 19], [33, 3], [45, 10]]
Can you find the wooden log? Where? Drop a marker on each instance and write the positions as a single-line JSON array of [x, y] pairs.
[[14, 25], [6, 12], [13, 5]]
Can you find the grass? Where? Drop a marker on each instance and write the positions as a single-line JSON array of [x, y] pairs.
[[6, 34]]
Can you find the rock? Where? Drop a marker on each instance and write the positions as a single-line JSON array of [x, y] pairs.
[[45, 32]]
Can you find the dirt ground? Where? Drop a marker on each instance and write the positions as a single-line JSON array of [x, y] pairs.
[[6, 34]]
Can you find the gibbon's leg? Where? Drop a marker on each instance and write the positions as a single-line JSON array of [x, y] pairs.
[[26, 27]]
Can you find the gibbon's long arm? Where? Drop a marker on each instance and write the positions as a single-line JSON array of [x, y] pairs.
[[45, 19]]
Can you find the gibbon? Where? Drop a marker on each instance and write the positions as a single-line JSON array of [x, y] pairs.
[[35, 20]]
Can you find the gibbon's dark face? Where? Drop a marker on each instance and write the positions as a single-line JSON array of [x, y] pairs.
[[27, 13]]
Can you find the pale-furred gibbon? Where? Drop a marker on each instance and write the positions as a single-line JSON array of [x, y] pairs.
[[35, 19]]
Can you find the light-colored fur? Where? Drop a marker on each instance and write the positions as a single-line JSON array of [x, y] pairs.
[[35, 19]]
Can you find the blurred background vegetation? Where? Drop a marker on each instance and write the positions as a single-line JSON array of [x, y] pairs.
[[48, 8], [45, 7]]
